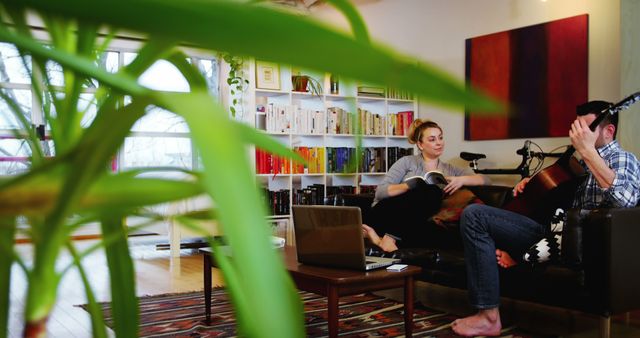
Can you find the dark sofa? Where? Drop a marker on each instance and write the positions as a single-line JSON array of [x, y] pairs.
[[597, 273]]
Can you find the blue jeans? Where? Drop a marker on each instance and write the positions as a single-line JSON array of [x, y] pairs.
[[483, 229]]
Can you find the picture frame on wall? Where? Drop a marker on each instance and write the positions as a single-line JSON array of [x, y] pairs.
[[539, 72], [267, 75]]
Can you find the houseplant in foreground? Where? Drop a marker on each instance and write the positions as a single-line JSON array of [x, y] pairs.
[[59, 195]]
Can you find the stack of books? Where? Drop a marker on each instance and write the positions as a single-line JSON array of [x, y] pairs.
[[315, 160], [311, 195], [277, 201], [398, 123], [395, 153]]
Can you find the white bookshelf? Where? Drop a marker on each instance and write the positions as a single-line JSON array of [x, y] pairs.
[[347, 99]]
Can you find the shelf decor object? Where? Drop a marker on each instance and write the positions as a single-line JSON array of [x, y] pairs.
[[267, 75]]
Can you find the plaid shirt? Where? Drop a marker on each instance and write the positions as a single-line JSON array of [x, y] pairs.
[[624, 192]]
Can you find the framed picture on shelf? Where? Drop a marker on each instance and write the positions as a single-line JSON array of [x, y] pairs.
[[267, 75]]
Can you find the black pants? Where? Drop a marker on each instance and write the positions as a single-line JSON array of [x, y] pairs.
[[407, 216]]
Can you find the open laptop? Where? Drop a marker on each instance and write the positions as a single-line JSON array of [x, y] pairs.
[[332, 236]]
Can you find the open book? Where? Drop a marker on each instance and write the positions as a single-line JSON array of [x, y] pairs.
[[431, 177]]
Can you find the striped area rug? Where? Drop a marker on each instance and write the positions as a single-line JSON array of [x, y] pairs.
[[365, 315]]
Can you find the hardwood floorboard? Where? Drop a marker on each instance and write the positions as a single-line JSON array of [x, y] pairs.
[[156, 273]]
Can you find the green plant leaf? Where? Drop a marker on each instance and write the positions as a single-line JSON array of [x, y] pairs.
[[97, 319], [34, 144], [241, 302], [231, 186], [7, 233], [264, 141], [79, 64], [39, 194], [116, 191], [88, 162], [355, 20], [192, 225], [188, 70], [201, 23], [107, 240], [124, 304], [30, 193]]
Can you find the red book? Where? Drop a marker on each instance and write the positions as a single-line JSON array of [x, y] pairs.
[[407, 119]]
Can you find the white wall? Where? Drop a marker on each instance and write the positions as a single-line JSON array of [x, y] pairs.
[[630, 73], [435, 31]]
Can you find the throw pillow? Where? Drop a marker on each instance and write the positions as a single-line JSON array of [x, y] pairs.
[[449, 214], [548, 249]]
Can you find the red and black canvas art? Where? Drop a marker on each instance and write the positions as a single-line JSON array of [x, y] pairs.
[[540, 72]]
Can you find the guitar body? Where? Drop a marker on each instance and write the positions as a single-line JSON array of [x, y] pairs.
[[551, 188]]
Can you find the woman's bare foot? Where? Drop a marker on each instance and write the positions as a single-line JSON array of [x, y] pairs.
[[504, 259], [483, 323], [386, 243]]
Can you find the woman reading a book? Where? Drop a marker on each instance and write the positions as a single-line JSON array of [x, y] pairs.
[[404, 201]]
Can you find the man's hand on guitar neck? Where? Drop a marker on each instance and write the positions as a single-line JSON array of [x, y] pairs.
[[519, 188], [583, 139], [586, 142]]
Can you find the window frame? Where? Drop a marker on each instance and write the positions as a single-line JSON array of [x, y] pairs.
[[120, 45]]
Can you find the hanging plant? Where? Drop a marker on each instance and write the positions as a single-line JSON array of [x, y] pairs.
[[236, 81]]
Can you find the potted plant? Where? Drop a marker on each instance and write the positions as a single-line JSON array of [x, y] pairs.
[[305, 84], [55, 196]]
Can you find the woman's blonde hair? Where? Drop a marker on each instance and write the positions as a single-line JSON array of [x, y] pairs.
[[418, 126]]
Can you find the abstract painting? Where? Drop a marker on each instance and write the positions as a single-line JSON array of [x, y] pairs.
[[540, 72]]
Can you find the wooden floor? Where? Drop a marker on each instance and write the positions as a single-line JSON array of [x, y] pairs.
[[156, 273]]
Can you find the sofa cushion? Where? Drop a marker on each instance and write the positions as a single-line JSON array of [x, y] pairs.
[[449, 214], [548, 248]]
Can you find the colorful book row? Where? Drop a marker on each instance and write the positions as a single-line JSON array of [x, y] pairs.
[[331, 159]]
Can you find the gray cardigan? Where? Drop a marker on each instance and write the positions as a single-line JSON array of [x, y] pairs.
[[413, 165]]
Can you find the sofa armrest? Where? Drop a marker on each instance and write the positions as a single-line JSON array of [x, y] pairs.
[[608, 242]]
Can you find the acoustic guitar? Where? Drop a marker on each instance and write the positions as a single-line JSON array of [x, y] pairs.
[[555, 185]]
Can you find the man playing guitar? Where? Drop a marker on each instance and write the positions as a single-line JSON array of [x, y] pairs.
[[612, 181]]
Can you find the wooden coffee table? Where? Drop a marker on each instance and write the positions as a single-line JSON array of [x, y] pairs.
[[332, 283]]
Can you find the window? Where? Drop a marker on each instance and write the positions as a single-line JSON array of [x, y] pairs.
[[159, 138]]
